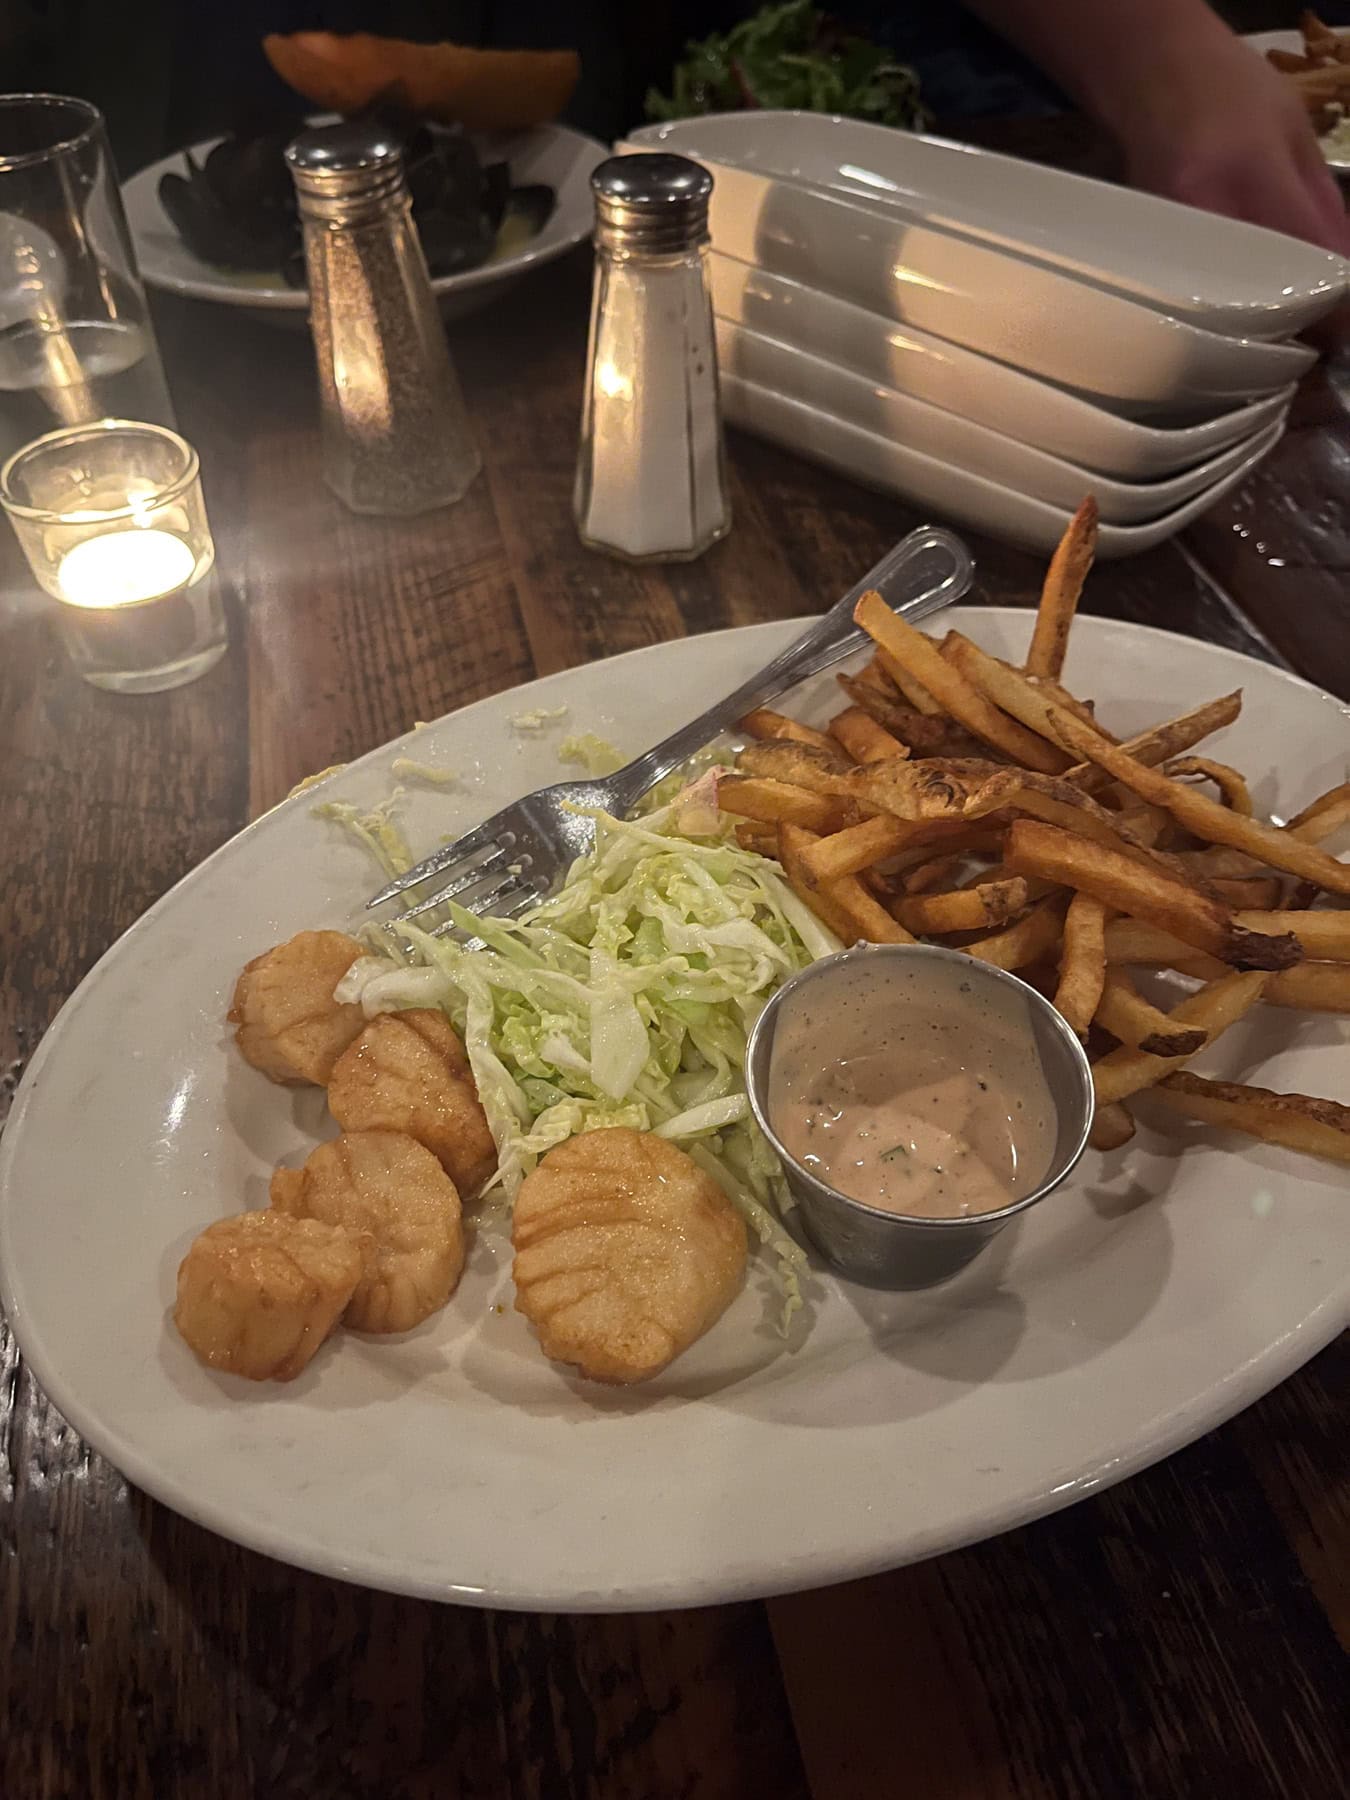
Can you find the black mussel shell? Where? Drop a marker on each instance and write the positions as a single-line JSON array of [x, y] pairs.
[[453, 244], [211, 234], [249, 175]]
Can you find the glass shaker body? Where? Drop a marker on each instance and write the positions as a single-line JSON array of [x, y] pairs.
[[395, 433], [651, 482]]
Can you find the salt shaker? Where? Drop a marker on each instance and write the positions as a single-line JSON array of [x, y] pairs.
[[650, 482], [394, 430]]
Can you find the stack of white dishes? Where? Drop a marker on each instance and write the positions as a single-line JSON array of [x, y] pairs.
[[991, 338]]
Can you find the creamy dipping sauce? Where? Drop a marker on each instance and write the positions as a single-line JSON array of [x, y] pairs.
[[914, 1089]]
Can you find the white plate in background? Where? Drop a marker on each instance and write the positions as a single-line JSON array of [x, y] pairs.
[[1146, 1302], [1236, 279], [956, 495], [554, 154], [975, 448]]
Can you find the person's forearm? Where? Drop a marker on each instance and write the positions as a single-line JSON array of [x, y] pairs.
[[1103, 53]]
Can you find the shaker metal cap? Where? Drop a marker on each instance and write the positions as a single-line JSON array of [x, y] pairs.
[[653, 202], [354, 158]]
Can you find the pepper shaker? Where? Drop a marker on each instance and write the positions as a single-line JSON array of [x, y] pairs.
[[650, 484], [395, 433]]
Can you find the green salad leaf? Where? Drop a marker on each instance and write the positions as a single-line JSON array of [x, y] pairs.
[[795, 56], [625, 999]]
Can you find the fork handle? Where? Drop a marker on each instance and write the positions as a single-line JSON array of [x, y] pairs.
[[926, 570]]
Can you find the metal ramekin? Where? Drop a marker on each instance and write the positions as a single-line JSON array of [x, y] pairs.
[[895, 1250]]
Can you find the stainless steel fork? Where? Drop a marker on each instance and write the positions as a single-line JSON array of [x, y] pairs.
[[516, 857]]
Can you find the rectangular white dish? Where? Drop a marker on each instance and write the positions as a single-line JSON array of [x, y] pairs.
[[1024, 314], [951, 438], [1236, 279], [952, 494], [962, 381]]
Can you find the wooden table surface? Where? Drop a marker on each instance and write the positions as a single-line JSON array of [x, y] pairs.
[[1178, 1635]]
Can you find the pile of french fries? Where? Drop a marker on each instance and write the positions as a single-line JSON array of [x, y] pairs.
[[1321, 75], [961, 799]]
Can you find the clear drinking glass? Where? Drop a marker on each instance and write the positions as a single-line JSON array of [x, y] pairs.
[[111, 518], [76, 342]]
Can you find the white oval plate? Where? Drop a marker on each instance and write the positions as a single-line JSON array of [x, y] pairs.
[[1139, 1307], [957, 493], [962, 381], [971, 446], [550, 153], [1237, 279], [1261, 41]]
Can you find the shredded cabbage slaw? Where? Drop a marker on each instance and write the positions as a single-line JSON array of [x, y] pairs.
[[624, 1000]]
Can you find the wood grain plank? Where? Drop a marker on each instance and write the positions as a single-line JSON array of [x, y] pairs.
[[1294, 1440], [1139, 1643], [358, 628]]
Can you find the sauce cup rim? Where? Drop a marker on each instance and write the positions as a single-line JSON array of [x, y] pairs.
[[904, 1222]]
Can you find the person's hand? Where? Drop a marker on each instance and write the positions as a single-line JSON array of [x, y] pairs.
[[1230, 135]]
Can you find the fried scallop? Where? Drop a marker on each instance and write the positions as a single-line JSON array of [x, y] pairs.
[[407, 1071], [289, 1024], [258, 1293], [382, 1186], [626, 1252]]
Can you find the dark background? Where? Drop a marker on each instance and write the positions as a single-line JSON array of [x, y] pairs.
[[168, 72]]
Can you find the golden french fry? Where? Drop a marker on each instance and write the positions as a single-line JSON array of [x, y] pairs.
[[845, 904], [858, 733], [794, 765], [1297, 1121], [1124, 1012], [1219, 864], [1059, 597], [921, 656], [934, 874], [1032, 938], [1082, 962], [924, 734], [1322, 936], [1205, 817], [915, 693], [1053, 690], [1229, 781], [793, 843], [763, 722], [854, 848], [1259, 892], [1217, 1006], [1311, 987], [930, 787], [752, 797], [1112, 1126], [1161, 742], [1016, 693], [1143, 892], [752, 834], [1060, 802], [1131, 940], [874, 676], [1151, 825], [963, 909], [1322, 816]]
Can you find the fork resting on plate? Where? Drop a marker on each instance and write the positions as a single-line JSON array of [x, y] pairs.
[[517, 857]]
